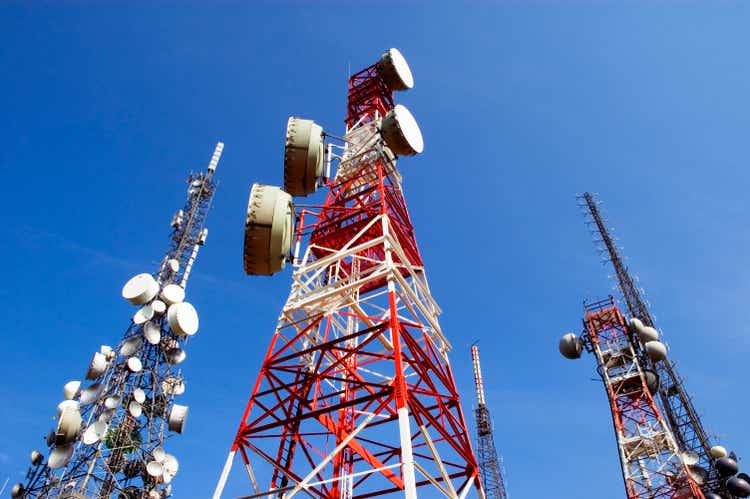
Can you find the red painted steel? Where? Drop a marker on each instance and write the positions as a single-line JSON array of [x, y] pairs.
[[650, 460], [310, 396]]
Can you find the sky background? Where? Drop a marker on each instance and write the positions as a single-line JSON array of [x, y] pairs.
[[522, 106]]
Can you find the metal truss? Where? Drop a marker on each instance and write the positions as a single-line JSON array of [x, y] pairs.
[[649, 455], [356, 397], [115, 465], [675, 402]]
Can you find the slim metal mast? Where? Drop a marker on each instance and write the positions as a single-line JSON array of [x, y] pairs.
[[675, 401], [110, 437], [490, 463]]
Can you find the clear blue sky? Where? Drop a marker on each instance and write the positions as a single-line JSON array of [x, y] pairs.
[[105, 109]]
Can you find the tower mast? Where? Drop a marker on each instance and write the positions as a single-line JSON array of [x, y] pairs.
[[676, 404], [355, 397], [489, 461], [111, 436]]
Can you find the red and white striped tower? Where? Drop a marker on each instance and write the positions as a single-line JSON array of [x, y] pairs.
[[652, 466], [355, 397]]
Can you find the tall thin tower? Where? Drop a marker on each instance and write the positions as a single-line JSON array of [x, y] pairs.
[[111, 436], [355, 397], [490, 465], [675, 401]]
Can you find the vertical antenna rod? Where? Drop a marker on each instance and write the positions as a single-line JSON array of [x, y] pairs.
[[487, 457], [677, 405]]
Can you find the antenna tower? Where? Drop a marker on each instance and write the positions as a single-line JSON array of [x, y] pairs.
[[490, 464], [675, 402], [652, 465], [355, 397], [110, 436]]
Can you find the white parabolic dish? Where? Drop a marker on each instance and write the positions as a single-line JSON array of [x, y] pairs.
[[94, 433], [140, 289], [152, 333], [183, 319], [395, 70], [60, 456], [172, 293], [91, 394], [401, 132], [71, 389]]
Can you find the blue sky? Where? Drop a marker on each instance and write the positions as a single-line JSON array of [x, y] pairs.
[[522, 106]]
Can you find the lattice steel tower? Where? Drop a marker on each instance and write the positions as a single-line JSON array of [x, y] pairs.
[[355, 397], [110, 436], [490, 463], [707, 467]]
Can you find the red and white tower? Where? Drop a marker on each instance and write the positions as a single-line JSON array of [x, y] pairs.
[[355, 397], [652, 465]]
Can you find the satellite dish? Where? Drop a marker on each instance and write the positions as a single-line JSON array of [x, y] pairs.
[[135, 409], [107, 351], [177, 418], [159, 454], [689, 458], [401, 132], [141, 289], [726, 466], [139, 395], [91, 394], [94, 433], [647, 333], [175, 356], [51, 438], [130, 346], [183, 319], [159, 307], [635, 324], [134, 364], [66, 405], [17, 491], [152, 333], [36, 458], [395, 71], [652, 380], [145, 313], [171, 466], [717, 451], [97, 366], [154, 469], [71, 389], [303, 156], [172, 293], [112, 402], [571, 346], [60, 456], [656, 350], [174, 264], [738, 487], [269, 228], [107, 415], [68, 426]]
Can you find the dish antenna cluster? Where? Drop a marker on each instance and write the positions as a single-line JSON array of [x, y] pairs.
[[637, 346], [110, 438], [355, 395]]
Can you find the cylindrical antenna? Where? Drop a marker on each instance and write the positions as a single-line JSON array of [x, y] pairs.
[[477, 374]]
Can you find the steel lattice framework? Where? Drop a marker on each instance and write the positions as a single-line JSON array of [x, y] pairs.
[[490, 464], [675, 401], [356, 397], [649, 455], [115, 465]]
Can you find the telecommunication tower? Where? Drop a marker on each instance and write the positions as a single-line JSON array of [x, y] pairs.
[[652, 465], [709, 467], [490, 464], [355, 397], [110, 436]]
